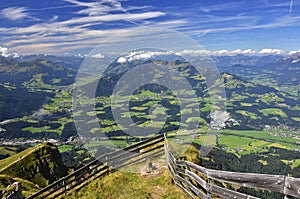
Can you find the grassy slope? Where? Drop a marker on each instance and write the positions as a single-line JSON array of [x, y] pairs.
[[28, 187], [122, 185], [17, 157], [4, 150], [40, 165]]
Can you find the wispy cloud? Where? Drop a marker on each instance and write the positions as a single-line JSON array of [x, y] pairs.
[[89, 22], [97, 8], [291, 7], [102, 7], [15, 13], [113, 17], [284, 21], [75, 25], [222, 6], [71, 34], [52, 8]]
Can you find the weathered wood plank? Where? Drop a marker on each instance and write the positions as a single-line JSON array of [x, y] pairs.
[[170, 163], [192, 176], [130, 155], [170, 155], [262, 181], [134, 150], [180, 163], [227, 193], [171, 170], [292, 186], [171, 160], [196, 167], [172, 167], [189, 185], [143, 157], [180, 170], [185, 190], [114, 153], [195, 177], [197, 191]]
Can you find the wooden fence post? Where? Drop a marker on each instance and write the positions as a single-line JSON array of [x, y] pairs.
[[65, 187], [209, 188]]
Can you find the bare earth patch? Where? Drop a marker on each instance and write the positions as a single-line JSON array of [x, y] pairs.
[[151, 170]]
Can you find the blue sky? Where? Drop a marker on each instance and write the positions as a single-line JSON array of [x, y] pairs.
[[77, 26]]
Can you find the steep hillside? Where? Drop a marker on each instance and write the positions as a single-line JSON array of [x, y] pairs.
[[71, 62], [17, 102], [6, 184], [35, 73], [278, 71], [40, 165]]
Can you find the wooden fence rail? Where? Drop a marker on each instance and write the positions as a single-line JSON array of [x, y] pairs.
[[196, 180]]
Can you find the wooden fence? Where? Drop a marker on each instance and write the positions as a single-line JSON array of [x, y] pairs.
[[101, 166], [197, 181]]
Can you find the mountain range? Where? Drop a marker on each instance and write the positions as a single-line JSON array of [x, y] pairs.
[[255, 88]]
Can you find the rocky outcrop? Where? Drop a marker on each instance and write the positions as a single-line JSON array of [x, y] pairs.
[[13, 191]]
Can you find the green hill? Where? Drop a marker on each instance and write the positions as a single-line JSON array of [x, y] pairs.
[[34, 73], [40, 165], [123, 185], [19, 101]]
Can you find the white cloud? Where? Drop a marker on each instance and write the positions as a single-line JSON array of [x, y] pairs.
[[143, 55], [285, 21], [76, 33], [102, 7], [248, 51], [81, 55], [122, 60], [294, 52], [14, 13], [114, 17], [98, 56], [194, 52], [168, 24], [270, 51], [54, 36], [242, 52], [54, 18], [222, 52], [4, 52], [97, 8], [237, 51], [218, 52]]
